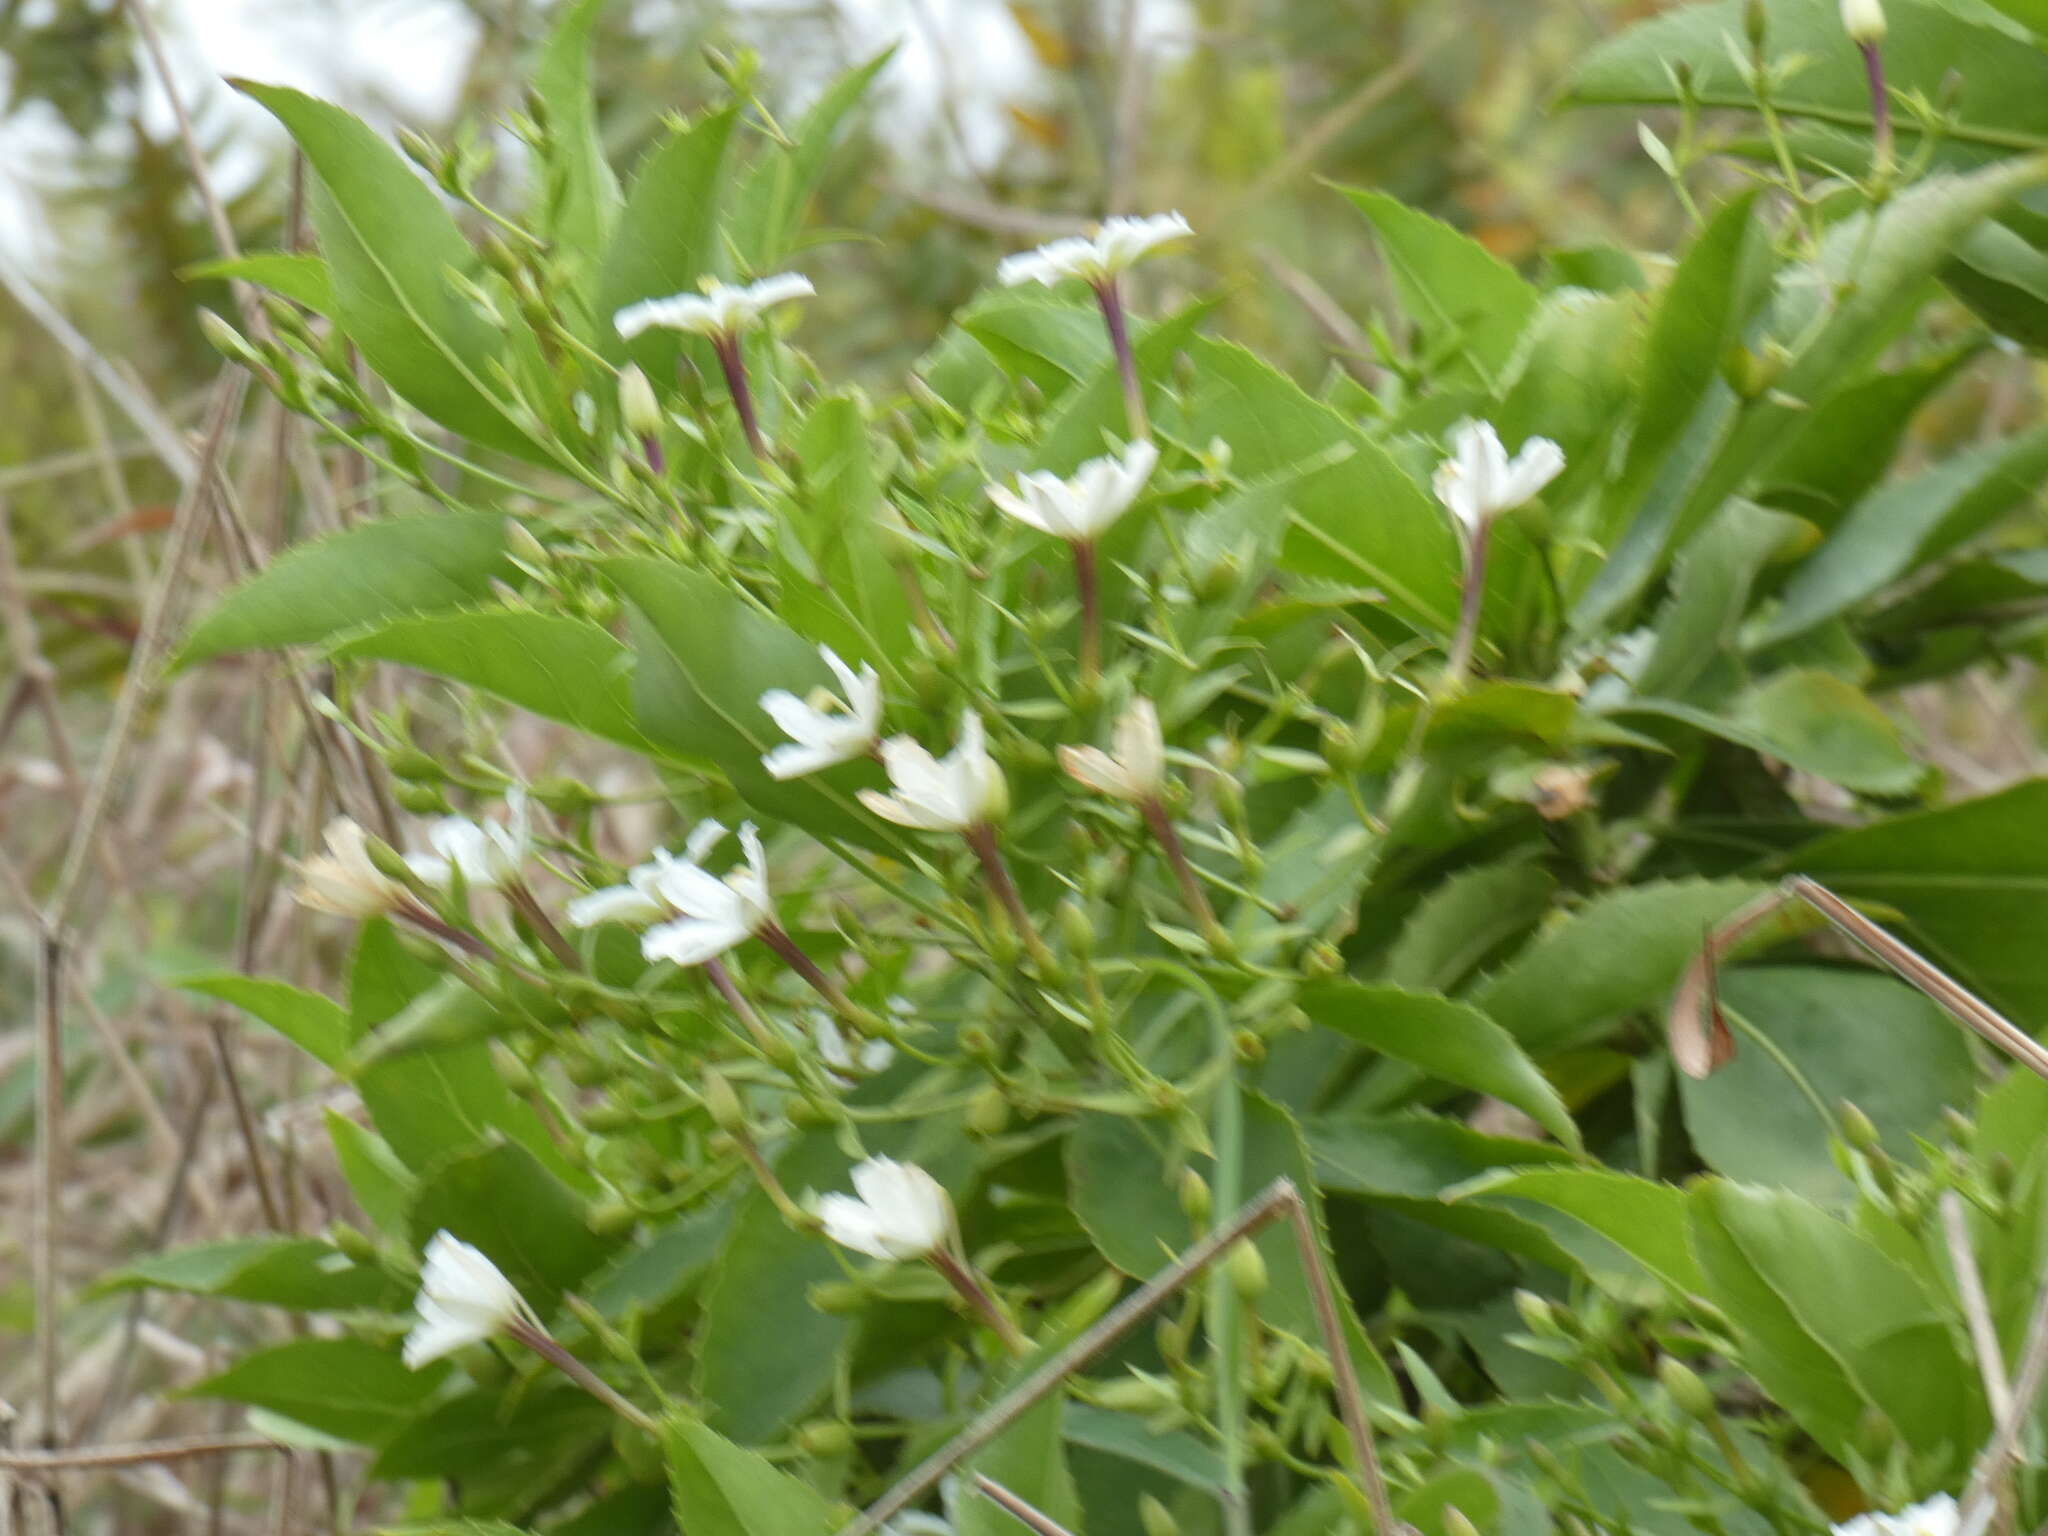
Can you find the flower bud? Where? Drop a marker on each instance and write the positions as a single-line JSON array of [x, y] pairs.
[[1538, 1316], [637, 405], [227, 341], [1194, 1197], [838, 1298], [988, 1112], [1857, 1129], [409, 762], [1155, 1518], [1755, 23], [1864, 21], [353, 1241], [612, 1218], [421, 799], [1686, 1389], [721, 1102], [1137, 1393], [1457, 1523], [824, 1437], [1075, 929], [1247, 1269]]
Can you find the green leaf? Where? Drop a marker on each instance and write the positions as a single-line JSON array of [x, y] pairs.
[[317, 1025], [382, 1185], [1359, 519], [361, 576], [1446, 1039], [1815, 722], [1123, 1193], [506, 1449], [1452, 284], [1178, 1454], [303, 1273], [1465, 919], [299, 277], [390, 248], [764, 1352], [721, 1489], [345, 1387], [1852, 1036], [579, 197], [2005, 107], [839, 519], [1902, 526], [1620, 951], [1710, 587], [1853, 435], [1051, 339], [559, 667], [666, 238], [531, 1225], [1641, 1218], [1719, 282], [2004, 280], [1970, 879], [1029, 1458], [1839, 311], [768, 209], [705, 705], [1825, 1313]]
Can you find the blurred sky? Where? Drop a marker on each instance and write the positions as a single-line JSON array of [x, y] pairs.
[[403, 60]]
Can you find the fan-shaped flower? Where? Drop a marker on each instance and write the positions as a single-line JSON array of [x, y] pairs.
[[1479, 481], [825, 731], [463, 1300], [1136, 769], [901, 1212], [1117, 244], [488, 854], [1938, 1516], [960, 791], [722, 309], [344, 880], [1085, 504]]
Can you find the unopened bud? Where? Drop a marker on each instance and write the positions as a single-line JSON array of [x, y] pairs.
[[1136, 1394], [227, 341], [1322, 958], [637, 405], [988, 1113], [563, 796], [838, 1298], [824, 1437], [421, 799], [721, 1102], [1155, 1518], [1457, 1523], [353, 1241], [1864, 21], [1538, 1316], [408, 762], [1194, 1197], [1247, 1270], [612, 1218], [1076, 931], [1857, 1129], [1686, 1389], [1755, 23]]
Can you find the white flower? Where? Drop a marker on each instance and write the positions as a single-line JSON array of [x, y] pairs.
[[343, 880], [1136, 770], [1937, 1516], [488, 854], [1864, 21], [951, 794], [902, 1212], [846, 1063], [1479, 482], [720, 310], [835, 729], [1117, 243], [463, 1300], [1080, 507], [715, 914], [637, 901]]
